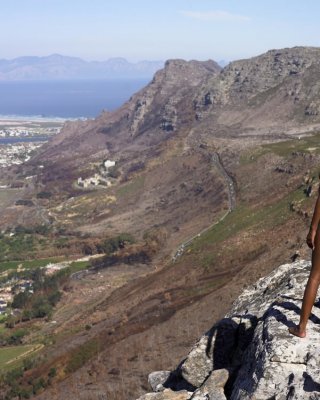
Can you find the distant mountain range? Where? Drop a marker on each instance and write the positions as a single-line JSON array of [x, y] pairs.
[[57, 66]]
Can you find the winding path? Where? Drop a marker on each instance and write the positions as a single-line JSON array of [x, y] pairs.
[[231, 204]]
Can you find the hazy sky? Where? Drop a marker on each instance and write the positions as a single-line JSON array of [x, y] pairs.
[[156, 29]]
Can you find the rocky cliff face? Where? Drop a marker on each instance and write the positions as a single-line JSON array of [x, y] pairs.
[[274, 93], [162, 104], [149, 118], [275, 90], [250, 354]]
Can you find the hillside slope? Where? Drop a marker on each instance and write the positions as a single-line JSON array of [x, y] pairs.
[[158, 138], [183, 146]]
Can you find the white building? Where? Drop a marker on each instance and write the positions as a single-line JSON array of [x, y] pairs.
[[109, 163]]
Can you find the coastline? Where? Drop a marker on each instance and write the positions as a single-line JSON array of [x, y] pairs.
[[15, 119]]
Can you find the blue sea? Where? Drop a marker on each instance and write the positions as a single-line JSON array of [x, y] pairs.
[[65, 99]]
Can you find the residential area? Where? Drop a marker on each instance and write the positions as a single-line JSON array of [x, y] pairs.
[[12, 283], [20, 138], [17, 153]]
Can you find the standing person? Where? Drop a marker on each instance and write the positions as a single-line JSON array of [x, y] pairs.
[[310, 292]]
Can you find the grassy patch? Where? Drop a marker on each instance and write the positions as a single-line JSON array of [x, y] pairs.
[[79, 266], [207, 260], [10, 356], [245, 217], [285, 148], [20, 246], [13, 265], [310, 144]]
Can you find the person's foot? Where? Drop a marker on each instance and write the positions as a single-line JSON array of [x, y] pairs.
[[297, 331]]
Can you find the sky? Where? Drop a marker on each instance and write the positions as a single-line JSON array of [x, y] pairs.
[[156, 29]]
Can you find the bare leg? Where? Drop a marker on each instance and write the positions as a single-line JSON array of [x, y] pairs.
[[310, 292]]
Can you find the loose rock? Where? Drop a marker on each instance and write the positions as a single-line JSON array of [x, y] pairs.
[[157, 378]]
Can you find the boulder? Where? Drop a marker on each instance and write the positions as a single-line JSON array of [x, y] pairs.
[[157, 379], [214, 350], [167, 394], [213, 387]]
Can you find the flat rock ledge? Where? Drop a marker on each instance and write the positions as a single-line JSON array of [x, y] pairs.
[[249, 354]]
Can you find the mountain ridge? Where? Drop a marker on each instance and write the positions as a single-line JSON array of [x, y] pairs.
[[59, 67], [262, 96]]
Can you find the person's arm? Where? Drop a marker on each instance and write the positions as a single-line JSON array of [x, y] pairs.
[[314, 223]]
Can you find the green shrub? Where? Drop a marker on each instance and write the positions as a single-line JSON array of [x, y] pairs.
[[82, 354], [41, 229], [24, 202], [62, 243], [17, 336], [52, 373], [113, 244], [38, 385], [54, 297], [28, 363], [27, 315], [25, 393], [41, 307], [11, 321], [44, 195], [20, 229], [21, 299], [13, 375]]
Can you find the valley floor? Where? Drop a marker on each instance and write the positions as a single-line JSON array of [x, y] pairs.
[[112, 327]]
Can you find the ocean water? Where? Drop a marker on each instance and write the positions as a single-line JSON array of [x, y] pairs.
[[65, 99]]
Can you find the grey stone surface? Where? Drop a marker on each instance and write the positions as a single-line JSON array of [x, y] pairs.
[[157, 378], [250, 354], [167, 394], [214, 350], [213, 387], [277, 364]]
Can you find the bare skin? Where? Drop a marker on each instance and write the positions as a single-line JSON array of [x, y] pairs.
[[310, 293]]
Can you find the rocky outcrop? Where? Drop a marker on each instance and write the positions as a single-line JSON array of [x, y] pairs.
[[312, 109], [161, 104], [149, 117], [242, 79], [250, 354], [245, 95]]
